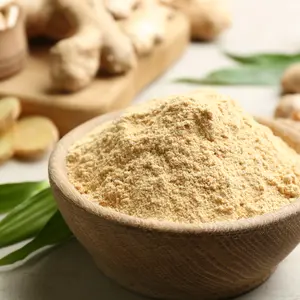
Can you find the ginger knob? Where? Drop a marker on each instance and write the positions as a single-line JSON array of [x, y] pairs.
[[146, 26], [288, 107], [208, 18], [290, 80], [121, 9], [287, 130]]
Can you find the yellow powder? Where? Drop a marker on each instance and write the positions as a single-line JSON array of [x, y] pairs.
[[192, 159]]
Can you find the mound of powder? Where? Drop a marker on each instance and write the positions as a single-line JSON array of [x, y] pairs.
[[194, 159]]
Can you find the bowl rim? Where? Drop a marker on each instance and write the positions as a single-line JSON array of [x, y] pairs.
[[59, 180]]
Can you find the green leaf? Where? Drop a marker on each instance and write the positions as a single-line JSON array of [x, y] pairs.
[[244, 75], [12, 194], [266, 59], [27, 219], [54, 233]]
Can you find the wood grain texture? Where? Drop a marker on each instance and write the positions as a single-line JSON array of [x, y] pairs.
[[168, 260], [33, 85]]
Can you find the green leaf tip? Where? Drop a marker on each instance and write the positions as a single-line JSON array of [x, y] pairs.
[[27, 219], [243, 75], [256, 69], [55, 233], [266, 59], [12, 194]]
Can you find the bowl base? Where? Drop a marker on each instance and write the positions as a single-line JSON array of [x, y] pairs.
[[230, 295]]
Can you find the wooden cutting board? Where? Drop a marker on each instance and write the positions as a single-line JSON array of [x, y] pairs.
[[32, 85]]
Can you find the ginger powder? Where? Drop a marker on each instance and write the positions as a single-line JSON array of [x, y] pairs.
[[194, 159]]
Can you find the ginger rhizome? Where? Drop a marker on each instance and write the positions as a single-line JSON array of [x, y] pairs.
[[208, 18], [89, 38], [121, 9], [109, 35], [288, 130], [289, 107], [147, 26], [290, 80]]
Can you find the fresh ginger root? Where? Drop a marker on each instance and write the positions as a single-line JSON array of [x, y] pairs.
[[147, 25], [208, 17], [287, 130], [33, 137], [118, 54], [89, 39], [10, 109], [290, 80], [75, 60], [121, 9], [289, 107]]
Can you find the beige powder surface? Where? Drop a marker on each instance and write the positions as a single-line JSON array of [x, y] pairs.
[[193, 159]]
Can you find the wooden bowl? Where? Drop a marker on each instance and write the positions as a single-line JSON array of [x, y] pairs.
[[168, 260], [13, 48]]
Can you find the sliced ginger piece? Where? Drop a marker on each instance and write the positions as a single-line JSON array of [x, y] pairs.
[[10, 109], [6, 146], [34, 136]]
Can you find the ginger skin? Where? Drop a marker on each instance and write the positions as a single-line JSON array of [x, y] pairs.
[[290, 80], [147, 26], [121, 9], [208, 18], [288, 107], [88, 36], [90, 39], [287, 130]]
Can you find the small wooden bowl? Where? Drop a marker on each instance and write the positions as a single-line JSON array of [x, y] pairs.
[[168, 260], [13, 48]]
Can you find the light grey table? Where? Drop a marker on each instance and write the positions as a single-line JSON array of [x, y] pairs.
[[68, 272]]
